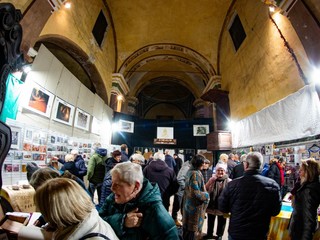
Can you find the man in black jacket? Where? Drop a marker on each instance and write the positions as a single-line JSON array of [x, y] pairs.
[[251, 199]]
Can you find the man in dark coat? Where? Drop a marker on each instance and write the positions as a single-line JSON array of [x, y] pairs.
[[251, 199], [238, 170], [157, 171], [169, 160]]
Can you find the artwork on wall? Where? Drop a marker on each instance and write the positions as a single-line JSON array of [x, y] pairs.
[[39, 100], [126, 126], [200, 130], [63, 112], [96, 126], [82, 120], [165, 132], [16, 137]]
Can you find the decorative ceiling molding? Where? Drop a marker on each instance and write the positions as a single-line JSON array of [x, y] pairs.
[[179, 49]]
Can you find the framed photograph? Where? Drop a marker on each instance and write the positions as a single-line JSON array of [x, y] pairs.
[[165, 132], [63, 112], [96, 126], [16, 137], [82, 120], [39, 100], [200, 130], [126, 126]]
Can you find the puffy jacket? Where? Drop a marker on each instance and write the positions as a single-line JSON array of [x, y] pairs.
[[304, 216], [157, 224], [251, 199], [96, 166], [274, 173], [81, 166]]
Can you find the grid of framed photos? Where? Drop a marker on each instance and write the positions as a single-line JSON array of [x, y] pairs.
[[38, 145]]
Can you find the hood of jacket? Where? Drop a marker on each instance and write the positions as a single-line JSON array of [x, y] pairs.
[[158, 166], [102, 152]]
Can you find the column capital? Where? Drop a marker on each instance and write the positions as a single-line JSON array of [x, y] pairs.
[[214, 82], [119, 85]]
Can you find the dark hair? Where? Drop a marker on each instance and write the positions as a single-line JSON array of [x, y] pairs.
[[123, 147], [197, 161], [116, 153], [281, 160]]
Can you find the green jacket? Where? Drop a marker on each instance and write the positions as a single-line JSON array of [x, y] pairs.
[[96, 168], [156, 224]]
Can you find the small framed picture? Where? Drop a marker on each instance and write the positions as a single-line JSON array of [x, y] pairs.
[[82, 120], [39, 100], [126, 126], [15, 137], [63, 112], [200, 130]]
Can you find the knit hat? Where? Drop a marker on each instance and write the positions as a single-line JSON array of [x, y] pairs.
[[221, 165]]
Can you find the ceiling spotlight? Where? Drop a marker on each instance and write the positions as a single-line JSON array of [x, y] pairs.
[[272, 8], [67, 5]]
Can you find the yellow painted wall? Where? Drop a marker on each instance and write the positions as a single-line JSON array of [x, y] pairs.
[[262, 71], [76, 24]]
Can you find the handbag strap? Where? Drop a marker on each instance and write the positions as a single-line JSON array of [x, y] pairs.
[[90, 235]]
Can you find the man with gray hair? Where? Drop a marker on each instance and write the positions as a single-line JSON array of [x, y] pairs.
[[238, 170], [251, 200]]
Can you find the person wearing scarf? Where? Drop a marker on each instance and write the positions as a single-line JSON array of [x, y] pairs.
[[214, 186]]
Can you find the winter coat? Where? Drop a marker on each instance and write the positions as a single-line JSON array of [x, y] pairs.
[[170, 161], [157, 224], [106, 188], [81, 166], [181, 178], [92, 224], [251, 199], [71, 167], [158, 172], [195, 200], [304, 217], [124, 156], [274, 173], [178, 165], [207, 174], [214, 187], [96, 166], [237, 171]]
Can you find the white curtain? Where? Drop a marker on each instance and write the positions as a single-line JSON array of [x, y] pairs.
[[296, 116]]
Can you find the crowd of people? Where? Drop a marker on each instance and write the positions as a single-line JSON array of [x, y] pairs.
[[134, 195]]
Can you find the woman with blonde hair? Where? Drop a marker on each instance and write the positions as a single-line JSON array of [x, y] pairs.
[[69, 211], [306, 201]]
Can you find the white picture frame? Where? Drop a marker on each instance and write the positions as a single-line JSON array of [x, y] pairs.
[[63, 112], [39, 100], [96, 126], [15, 137], [126, 126], [200, 130], [82, 119], [165, 133]]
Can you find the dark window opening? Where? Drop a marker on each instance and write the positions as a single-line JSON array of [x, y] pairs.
[[237, 32], [100, 27]]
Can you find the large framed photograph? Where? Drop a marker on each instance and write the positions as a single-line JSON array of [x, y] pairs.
[[200, 130], [39, 100], [126, 126], [165, 132], [15, 137], [63, 112], [82, 120]]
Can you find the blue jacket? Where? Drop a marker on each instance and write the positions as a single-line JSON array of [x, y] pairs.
[[157, 224]]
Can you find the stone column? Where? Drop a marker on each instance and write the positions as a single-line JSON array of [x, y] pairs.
[[132, 104], [119, 91]]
